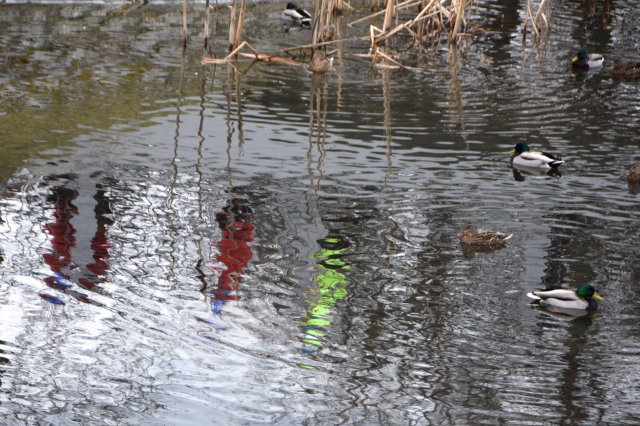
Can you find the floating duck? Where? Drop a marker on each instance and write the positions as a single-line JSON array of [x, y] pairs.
[[320, 63], [296, 16], [582, 298], [633, 174], [585, 61], [482, 237], [625, 69], [523, 157]]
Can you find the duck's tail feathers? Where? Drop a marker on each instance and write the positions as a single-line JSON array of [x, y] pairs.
[[555, 163], [533, 296], [507, 237]]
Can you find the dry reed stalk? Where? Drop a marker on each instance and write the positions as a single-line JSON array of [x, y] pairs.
[[378, 53], [407, 26], [185, 31], [254, 54], [319, 22], [541, 15], [459, 9], [232, 26], [206, 24], [239, 27], [388, 15], [400, 6], [323, 43], [539, 22], [268, 58]]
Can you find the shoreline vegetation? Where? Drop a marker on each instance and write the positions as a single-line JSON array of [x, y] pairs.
[[391, 29]]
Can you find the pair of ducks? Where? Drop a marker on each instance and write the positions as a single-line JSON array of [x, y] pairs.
[[622, 68], [567, 300], [564, 300], [580, 299]]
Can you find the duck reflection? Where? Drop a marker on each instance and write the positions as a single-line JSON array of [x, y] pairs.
[[521, 173], [234, 251], [563, 314], [331, 288], [67, 273]]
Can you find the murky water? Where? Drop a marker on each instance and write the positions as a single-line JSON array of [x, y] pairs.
[[188, 244]]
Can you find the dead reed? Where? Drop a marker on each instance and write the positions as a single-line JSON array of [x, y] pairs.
[[539, 22], [410, 24]]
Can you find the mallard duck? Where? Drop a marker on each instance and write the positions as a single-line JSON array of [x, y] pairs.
[[320, 63], [582, 298], [523, 157], [482, 237], [625, 69], [293, 15], [633, 174], [585, 61]]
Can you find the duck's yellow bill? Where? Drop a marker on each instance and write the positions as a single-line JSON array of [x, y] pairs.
[[598, 297], [513, 151], [574, 59]]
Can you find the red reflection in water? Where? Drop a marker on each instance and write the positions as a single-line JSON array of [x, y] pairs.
[[234, 250], [64, 241]]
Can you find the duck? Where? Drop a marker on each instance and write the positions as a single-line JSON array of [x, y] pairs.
[[522, 156], [293, 15], [320, 63], [471, 236], [625, 68], [583, 298], [633, 174], [585, 61]]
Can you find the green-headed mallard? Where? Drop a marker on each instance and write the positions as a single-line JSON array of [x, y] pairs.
[[585, 61], [523, 157], [482, 237], [582, 298], [624, 68], [293, 15]]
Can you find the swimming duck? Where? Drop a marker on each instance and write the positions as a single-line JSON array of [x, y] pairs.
[[633, 174], [625, 69], [293, 15], [523, 157], [320, 63], [582, 298], [482, 237], [585, 61]]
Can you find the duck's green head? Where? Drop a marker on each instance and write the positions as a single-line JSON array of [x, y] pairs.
[[581, 55], [587, 291], [520, 148]]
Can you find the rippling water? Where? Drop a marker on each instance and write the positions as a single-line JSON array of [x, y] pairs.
[[185, 244]]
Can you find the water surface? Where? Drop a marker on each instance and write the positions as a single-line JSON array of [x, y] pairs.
[[189, 244]]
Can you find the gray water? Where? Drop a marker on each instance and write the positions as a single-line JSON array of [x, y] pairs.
[[189, 244]]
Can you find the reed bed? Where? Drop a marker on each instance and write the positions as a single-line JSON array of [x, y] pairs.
[[400, 26]]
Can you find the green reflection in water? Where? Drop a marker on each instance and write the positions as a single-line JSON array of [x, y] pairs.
[[331, 288]]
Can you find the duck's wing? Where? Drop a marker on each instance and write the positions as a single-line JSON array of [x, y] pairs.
[[493, 236], [537, 159], [565, 294], [595, 60], [291, 15], [303, 13]]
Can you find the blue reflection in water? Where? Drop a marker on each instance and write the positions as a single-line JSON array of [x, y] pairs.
[[331, 288]]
